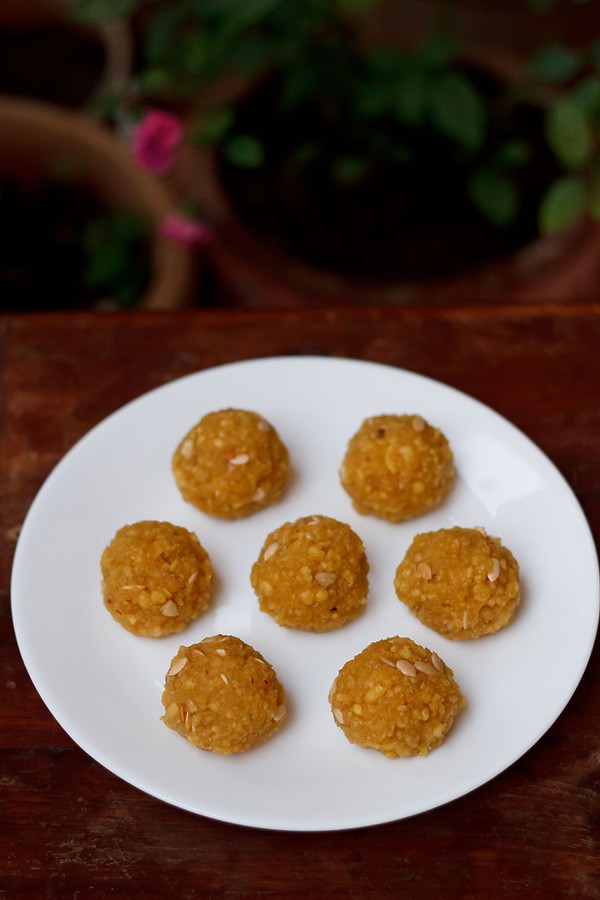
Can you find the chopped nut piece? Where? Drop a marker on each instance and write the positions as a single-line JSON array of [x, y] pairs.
[[424, 667], [495, 573], [279, 713], [424, 570], [240, 460], [389, 460], [406, 667], [187, 449], [326, 579], [169, 608], [271, 550], [177, 666], [437, 662]]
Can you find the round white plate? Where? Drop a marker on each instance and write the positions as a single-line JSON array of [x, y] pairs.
[[104, 685]]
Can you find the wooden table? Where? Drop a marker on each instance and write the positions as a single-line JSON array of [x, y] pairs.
[[69, 828]]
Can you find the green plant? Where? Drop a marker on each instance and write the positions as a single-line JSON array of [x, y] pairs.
[[64, 249], [370, 99], [572, 131], [114, 266]]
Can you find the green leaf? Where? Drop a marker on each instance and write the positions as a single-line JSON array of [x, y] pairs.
[[586, 95], [411, 98], [555, 65], [195, 53], [110, 243], [298, 87], [372, 101], [213, 127], [349, 170], [513, 153], [161, 37], [105, 107], [458, 111], [245, 13], [153, 81], [562, 204], [105, 268], [495, 196], [569, 134], [387, 65], [438, 50], [303, 155], [594, 54], [253, 54], [245, 151]]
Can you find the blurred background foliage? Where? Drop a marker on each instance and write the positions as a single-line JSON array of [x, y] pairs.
[[371, 98]]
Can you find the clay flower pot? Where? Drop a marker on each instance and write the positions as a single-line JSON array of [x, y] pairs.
[[53, 52], [36, 137], [252, 272]]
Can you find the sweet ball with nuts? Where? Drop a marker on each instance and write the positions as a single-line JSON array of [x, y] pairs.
[[231, 464], [396, 697], [156, 578], [397, 467], [222, 695], [461, 582], [312, 574]]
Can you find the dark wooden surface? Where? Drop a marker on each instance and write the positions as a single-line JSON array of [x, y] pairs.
[[69, 828]]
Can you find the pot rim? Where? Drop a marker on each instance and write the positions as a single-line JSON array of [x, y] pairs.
[[108, 168]]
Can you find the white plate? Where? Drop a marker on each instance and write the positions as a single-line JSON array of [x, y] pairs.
[[104, 685]]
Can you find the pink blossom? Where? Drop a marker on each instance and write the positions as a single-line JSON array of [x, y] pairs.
[[185, 231], [156, 139]]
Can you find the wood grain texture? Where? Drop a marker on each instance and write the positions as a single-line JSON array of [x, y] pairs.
[[69, 828]]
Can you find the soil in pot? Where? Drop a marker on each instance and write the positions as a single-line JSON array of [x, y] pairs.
[[61, 249], [56, 61], [400, 221]]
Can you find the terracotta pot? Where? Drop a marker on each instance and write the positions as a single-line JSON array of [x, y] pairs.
[[114, 37], [251, 273], [35, 136]]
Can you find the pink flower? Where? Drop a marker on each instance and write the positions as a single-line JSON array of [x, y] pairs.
[[156, 139], [185, 231]]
